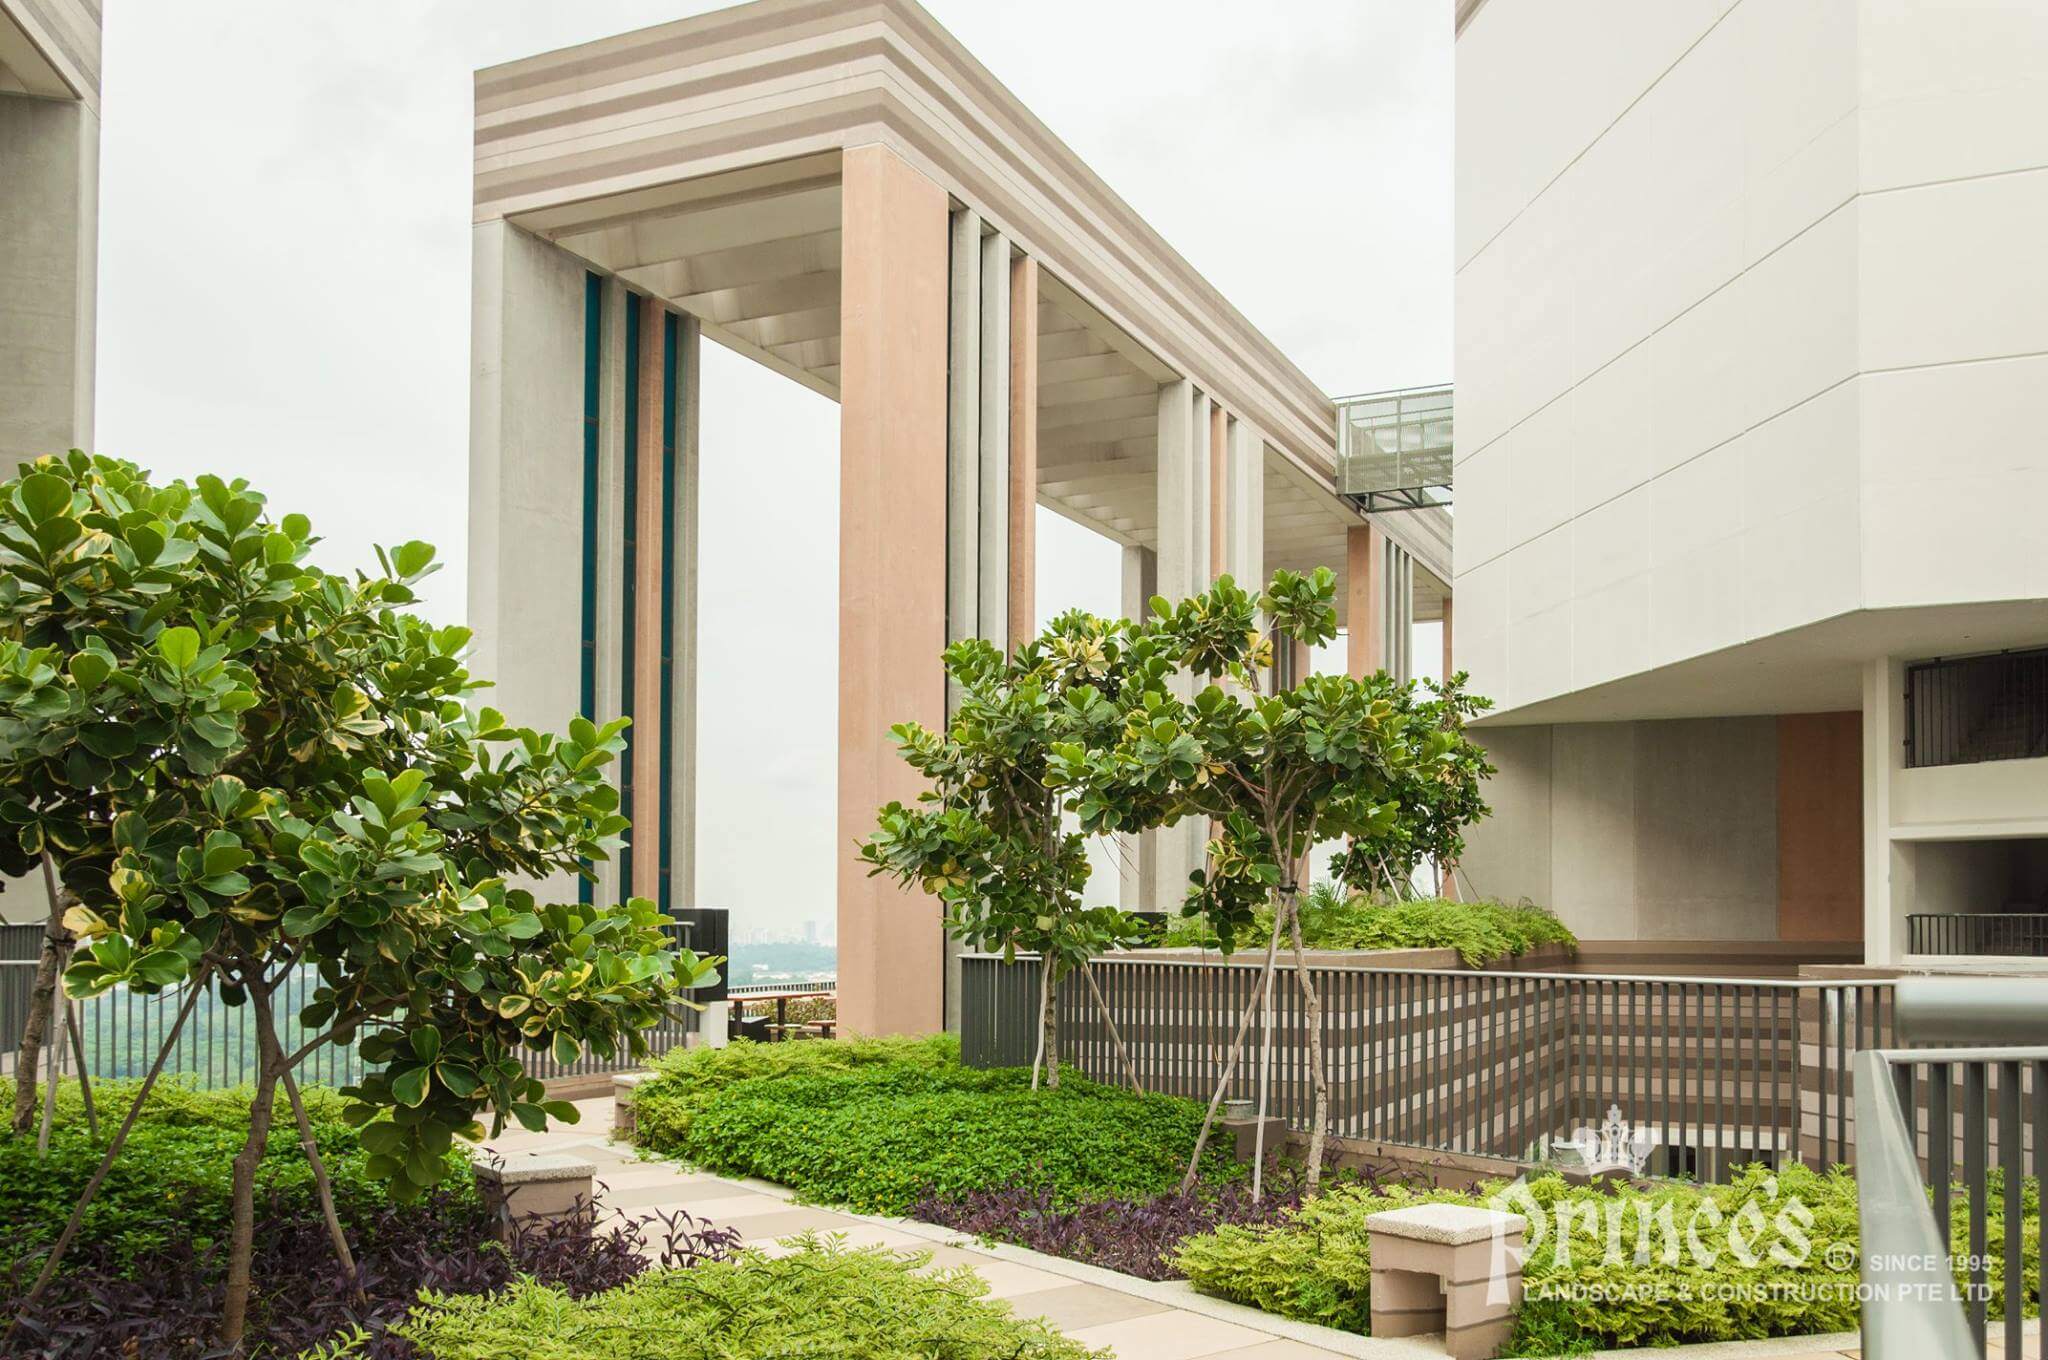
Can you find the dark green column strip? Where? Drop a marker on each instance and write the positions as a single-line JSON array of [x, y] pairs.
[[668, 599], [628, 699], [593, 347]]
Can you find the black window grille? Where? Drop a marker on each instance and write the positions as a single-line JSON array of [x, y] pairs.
[[1962, 710]]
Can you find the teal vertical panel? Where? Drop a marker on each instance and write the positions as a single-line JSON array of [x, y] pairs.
[[593, 349], [668, 603], [628, 696]]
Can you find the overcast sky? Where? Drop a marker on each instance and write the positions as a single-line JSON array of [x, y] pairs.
[[284, 293]]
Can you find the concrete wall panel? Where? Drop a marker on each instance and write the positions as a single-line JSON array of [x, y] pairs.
[[1706, 829]]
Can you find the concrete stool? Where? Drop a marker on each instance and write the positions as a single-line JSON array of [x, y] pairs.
[[536, 1185], [622, 1099], [1246, 1132], [1433, 1270]]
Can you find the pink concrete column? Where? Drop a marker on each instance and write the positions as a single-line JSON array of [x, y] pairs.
[[1365, 615], [1449, 669], [892, 567], [648, 529], [1023, 451]]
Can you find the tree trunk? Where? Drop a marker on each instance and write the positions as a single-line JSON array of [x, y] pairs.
[[56, 940], [1052, 1031], [267, 1036], [60, 1016], [1265, 1060], [92, 1116], [1319, 1132], [1244, 1025], [234, 1319], [92, 1187]]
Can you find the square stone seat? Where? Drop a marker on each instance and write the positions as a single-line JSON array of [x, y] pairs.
[[1451, 1268]]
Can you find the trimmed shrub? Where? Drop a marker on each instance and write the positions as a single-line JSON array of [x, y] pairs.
[[1481, 932], [821, 1299], [883, 1123], [1800, 1277]]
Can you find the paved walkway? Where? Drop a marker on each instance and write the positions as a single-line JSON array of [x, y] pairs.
[[1134, 1319]]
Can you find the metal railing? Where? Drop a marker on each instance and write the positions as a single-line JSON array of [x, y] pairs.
[[122, 1031], [1951, 1110], [2013, 934], [1962, 710], [1724, 1071]]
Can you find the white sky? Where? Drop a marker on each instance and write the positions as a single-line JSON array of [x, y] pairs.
[[284, 295]]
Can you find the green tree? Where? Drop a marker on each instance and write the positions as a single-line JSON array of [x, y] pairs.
[[1275, 773], [992, 837], [237, 765], [1440, 791]]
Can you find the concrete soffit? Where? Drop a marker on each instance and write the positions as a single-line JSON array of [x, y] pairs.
[[51, 49], [629, 119]]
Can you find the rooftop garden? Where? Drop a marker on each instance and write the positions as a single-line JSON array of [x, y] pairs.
[[1332, 917]]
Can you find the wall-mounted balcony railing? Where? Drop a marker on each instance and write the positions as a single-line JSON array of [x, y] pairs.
[[1394, 449], [1950, 1112], [1725, 1072], [2012, 934], [1964, 710]]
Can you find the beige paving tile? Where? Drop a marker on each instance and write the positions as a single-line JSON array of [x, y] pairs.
[[1082, 1305], [1278, 1349], [717, 1203], [788, 1222], [1006, 1279], [1172, 1335]]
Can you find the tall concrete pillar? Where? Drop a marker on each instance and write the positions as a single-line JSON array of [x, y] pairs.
[[1138, 855], [1023, 449], [1242, 535], [1449, 669], [1887, 867], [1365, 619], [893, 566], [963, 429], [685, 521], [49, 218], [1183, 567], [993, 383]]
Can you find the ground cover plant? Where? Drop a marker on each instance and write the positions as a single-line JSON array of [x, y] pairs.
[[821, 1299], [1483, 932], [147, 1275], [879, 1124], [1758, 1271]]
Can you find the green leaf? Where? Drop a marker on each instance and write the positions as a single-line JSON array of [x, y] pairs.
[[178, 646], [532, 1117], [561, 1111], [113, 741], [567, 1050], [426, 1044], [382, 1137], [43, 495], [409, 1087], [89, 670]]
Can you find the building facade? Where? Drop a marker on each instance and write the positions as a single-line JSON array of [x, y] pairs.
[[841, 192], [1752, 366]]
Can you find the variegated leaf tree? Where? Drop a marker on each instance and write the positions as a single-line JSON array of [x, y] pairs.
[[994, 837], [235, 765]]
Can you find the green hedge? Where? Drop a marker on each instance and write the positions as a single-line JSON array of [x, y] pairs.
[[822, 1299], [876, 1124], [1481, 932], [1316, 1265], [173, 1176]]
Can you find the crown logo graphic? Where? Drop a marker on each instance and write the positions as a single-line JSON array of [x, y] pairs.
[[1614, 1146]]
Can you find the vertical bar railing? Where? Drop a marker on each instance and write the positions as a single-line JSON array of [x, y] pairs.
[[1725, 1071]]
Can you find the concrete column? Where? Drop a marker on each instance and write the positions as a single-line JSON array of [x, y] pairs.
[[994, 383], [1887, 868], [1183, 567], [1243, 533], [1138, 855], [963, 428], [49, 218], [1219, 494], [892, 566], [1365, 617], [682, 712], [646, 622], [610, 632], [1023, 450], [1449, 670], [526, 465]]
